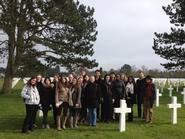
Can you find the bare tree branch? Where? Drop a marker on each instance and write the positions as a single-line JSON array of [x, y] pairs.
[[2, 42]]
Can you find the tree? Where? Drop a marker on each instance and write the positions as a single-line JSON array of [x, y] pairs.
[[127, 69], [170, 46], [46, 32]]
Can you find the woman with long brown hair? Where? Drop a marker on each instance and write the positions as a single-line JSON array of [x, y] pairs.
[[75, 101], [62, 101], [31, 100]]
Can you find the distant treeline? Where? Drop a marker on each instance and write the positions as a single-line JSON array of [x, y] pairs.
[[125, 69]]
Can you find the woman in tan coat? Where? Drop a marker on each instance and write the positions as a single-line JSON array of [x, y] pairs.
[[62, 101]]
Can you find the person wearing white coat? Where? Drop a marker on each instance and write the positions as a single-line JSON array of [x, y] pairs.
[[31, 98]]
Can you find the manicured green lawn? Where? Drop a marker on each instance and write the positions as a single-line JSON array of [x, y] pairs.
[[12, 113]]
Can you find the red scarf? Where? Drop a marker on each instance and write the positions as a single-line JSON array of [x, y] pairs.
[[149, 89]]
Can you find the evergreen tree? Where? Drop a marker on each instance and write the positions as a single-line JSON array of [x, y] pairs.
[[46, 32], [171, 46]]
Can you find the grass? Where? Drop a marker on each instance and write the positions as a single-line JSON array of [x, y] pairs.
[[12, 113]]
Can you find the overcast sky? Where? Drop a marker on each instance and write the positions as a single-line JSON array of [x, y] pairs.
[[126, 31]]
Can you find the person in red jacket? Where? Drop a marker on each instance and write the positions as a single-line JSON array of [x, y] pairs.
[[148, 99]]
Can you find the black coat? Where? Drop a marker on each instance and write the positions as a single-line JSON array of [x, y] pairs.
[[140, 90], [39, 87], [46, 96], [91, 95], [53, 92], [106, 92], [118, 89], [99, 82]]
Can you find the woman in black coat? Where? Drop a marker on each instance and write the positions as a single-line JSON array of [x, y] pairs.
[[83, 110], [46, 101], [107, 99], [91, 98]]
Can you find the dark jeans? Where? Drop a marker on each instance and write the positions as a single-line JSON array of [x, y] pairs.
[[30, 117], [92, 116], [139, 106], [54, 113], [117, 105], [130, 105], [98, 112], [45, 110], [83, 114], [107, 110]]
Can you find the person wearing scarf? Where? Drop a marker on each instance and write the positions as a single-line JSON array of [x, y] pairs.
[[130, 96], [149, 98]]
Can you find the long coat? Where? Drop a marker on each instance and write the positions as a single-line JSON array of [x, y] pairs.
[[91, 95], [140, 90]]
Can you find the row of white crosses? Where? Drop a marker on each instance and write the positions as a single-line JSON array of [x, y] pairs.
[[123, 110], [174, 105]]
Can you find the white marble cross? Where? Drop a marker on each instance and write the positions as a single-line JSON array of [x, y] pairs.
[[157, 97], [183, 93], [170, 90], [174, 106], [122, 110], [15, 81]]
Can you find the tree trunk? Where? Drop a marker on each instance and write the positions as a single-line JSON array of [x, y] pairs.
[[9, 74], [7, 85]]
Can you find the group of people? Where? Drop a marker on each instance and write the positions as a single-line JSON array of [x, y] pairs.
[[85, 99]]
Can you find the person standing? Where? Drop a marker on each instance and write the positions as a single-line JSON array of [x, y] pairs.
[[99, 82], [74, 102], [46, 101], [112, 77], [31, 100], [39, 86], [148, 99], [118, 91], [107, 99], [53, 84], [62, 102], [124, 78], [140, 85], [83, 110], [91, 97], [70, 77], [130, 96]]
